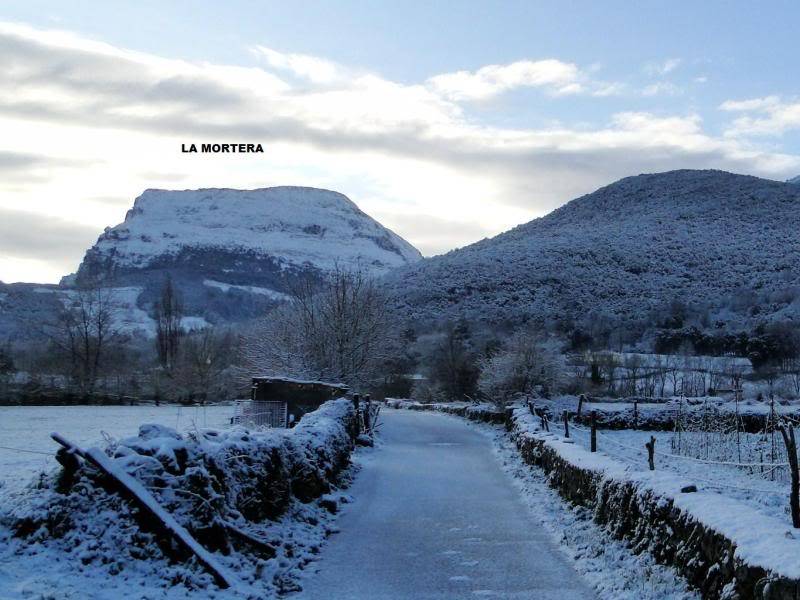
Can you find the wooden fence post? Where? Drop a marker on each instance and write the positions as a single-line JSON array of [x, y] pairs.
[[357, 406], [367, 411], [594, 431], [635, 413], [581, 399], [791, 450], [651, 450], [566, 424]]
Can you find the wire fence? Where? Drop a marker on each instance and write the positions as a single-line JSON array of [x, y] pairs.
[[25, 444], [27, 451], [637, 456]]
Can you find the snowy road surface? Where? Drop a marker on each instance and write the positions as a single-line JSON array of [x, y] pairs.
[[435, 517]]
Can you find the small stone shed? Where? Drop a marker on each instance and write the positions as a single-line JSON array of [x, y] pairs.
[[298, 396]]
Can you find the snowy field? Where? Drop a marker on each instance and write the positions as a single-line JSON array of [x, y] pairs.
[[753, 485], [27, 450], [713, 461]]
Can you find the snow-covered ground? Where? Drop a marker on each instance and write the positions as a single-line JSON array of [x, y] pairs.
[[709, 459], [747, 484], [27, 450]]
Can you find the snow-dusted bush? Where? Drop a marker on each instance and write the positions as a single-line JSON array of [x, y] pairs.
[[526, 365], [450, 360], [425, 390]]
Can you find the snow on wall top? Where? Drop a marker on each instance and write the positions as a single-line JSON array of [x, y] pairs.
[[295, 225]]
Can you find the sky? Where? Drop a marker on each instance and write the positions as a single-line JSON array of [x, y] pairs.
[[448, 122]]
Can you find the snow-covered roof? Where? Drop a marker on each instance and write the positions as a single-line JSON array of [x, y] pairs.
[[300, 381]]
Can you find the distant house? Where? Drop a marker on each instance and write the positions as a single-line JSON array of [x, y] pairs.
[[281, 401]]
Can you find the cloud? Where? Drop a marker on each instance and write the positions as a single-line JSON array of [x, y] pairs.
[[156, 176], [555, 76], [769, 116], [11, 161], [97, 86], [435, 235], [29, 235], [414, 145], [662, 68], [608, 89], [760, 104], [312, 68], [20, 167], [659, 70], [662, 88]]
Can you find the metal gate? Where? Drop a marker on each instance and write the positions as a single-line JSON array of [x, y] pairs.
[[260, 413]]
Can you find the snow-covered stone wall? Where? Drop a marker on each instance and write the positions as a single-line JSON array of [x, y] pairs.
[[248, 497], [725, 548]]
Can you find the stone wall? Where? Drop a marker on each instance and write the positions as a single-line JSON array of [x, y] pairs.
[[651, 521]]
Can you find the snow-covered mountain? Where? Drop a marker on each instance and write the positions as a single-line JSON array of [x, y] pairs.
[[795, 180], [235, 253], [725, 245], [282, 228]]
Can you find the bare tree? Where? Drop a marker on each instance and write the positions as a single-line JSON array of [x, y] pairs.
[[168, 326], [199, 370], [792, 370], [338, 329], [609, 363], [7, 368], [673, 370], [83, 331], [632, 364]]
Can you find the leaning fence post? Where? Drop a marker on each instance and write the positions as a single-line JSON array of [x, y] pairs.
[[594, 431], [651, 450], [581, 398], [566, 424]]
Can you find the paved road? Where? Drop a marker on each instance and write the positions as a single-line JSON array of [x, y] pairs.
[[434, 517]]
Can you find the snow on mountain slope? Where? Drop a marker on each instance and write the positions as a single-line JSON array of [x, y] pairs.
[[795, 180], [235, 254], [294, 226], [127, 316], [727, 245], [246, 288]]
